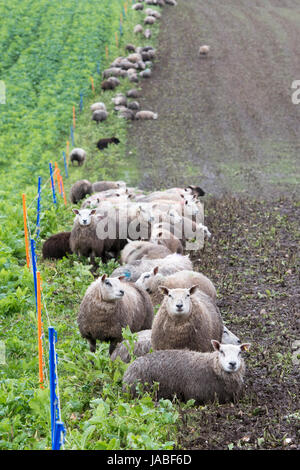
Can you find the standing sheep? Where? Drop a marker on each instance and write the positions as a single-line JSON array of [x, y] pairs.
[[78, 155], [99, 115], [187, 318], [103, 143], [57, 246], [110, 305], [203, 377]]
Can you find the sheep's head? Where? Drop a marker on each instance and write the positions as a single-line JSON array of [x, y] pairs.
[[178, 301], [230, 355], [84, 216], [229, 338], [190, 204], [111, 288], [145, 281]]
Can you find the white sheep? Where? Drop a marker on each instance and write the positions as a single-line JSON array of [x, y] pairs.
[[204, 50]]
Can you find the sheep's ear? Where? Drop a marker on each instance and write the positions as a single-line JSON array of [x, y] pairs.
[[164, 290], [76, 211], [121, 278], [182, 195], [160, 234], [193, 289], [103, 277], [155, 270], [245, 346], [93, 212], [216, 344], [186, 203]]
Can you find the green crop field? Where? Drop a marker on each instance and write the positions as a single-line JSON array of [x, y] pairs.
[[49, 51]]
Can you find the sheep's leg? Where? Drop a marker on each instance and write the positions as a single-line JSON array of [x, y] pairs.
[[92, 343]]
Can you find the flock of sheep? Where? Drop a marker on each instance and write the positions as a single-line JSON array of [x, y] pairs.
[[185, 347]]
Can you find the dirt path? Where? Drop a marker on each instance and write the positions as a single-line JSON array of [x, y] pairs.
[[226, 122]]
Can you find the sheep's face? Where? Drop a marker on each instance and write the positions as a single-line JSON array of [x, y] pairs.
[[174, 216], [111, 288], [190, 206], [145, 281], [178, 300], [84, 216], [230, 355], [229, 338]]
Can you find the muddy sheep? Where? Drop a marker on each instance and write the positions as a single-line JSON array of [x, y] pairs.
[[143, 115], [110, 305], [78, 155], [104, 143], [142, 345], [79, 190], [187, 318], [203, 377], [168, 265], [152, 280], [57, 246]]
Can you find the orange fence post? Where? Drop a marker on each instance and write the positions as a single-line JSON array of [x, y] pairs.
[[55, 175], [25, 230], [61, 184], [92, 82], [40, 346]]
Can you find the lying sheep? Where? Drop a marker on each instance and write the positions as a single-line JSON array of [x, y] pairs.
[[110, 305], [136, 250], [151, 281], [204, 50], [79, 190], [106, 185], [146, 115], [142, 345], [57, 246], [187, 318], [168, 265], [99, 115], [203, 377], [78, 155], [103, 143]]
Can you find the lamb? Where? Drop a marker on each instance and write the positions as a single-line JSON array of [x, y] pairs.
[[146, 115], [57, 246], [138, 29], [110, 305], [136, 250], [79, 190], [203, 377], [103, 143], [78, 155], [204, 50], [99, 115], [187, 318], [142, 345], [151, 280], [168, 265]]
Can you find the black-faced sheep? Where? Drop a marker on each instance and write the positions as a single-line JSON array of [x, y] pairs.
[[110, 305], [103, 143], [57, 246], [152, 280], [78, 155], [203, 377], [79, 190], [187, 319]]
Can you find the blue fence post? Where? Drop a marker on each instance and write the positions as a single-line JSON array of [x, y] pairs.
[[52, 183], [57, 427], [33, 260], [38, 208]]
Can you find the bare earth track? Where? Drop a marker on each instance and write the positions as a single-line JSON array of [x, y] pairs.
[[228, 124]]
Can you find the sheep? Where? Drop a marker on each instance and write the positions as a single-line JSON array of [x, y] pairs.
[[149, 20], [106, 185], [78, 155], [168, 265], [136, 250], [146, 115], [142, 345], [130, 48], [126, 114], [187, 318], [167, 239], [134, 105], [98, 105], [114, 80], [146, 73], [203, 377], [84, 238], [151, 280], [135, 57], [171, 2], [137, 6], [99, 115], [113, 72], [57, 246], [133, 93], [79, 190], [204, 50], [108, 85], [120, 100], [103, 143], [110, 305], [138, 29]]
